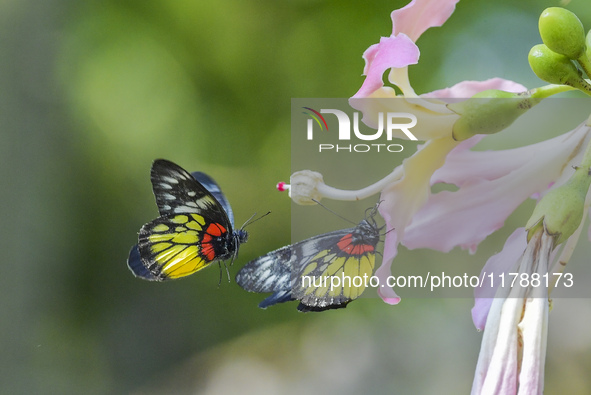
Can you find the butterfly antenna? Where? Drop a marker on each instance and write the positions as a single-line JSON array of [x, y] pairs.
[[331, 211], [234, 255], [372, 213], [251, 220]]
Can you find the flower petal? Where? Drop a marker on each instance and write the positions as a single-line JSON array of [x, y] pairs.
[[500, 375], [447, 221], [405, 197], [534, 325], [384, 271], [497, 264], [402, 199], [497, 368], [399, 50], [467, 89], [534, 330], [513, 347], [392, 52], [463, 166], [419, 15]]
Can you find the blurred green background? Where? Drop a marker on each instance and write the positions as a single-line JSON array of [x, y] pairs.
[[91, 92]]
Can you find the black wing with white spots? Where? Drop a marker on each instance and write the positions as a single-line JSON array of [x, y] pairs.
[[177, 192], [303, 271]]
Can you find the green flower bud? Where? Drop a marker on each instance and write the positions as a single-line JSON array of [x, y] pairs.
[[552, 67], [561, 210], [562, 32], [489, 112]]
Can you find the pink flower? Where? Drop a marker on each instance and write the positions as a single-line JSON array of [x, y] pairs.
[[490, 186], [403, 197], [399, 50]]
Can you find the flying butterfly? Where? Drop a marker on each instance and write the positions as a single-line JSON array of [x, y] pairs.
[[194, 229], [303, 271]]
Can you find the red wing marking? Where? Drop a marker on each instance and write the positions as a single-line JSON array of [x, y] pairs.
[[208, 251], [216, 229], [213, 230], [346, 245]]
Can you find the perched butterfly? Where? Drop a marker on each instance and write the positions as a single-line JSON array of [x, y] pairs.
[[303, 271], [194, 229]]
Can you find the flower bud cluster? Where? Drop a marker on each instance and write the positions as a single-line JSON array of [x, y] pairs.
[[555, 61], [564, 54]]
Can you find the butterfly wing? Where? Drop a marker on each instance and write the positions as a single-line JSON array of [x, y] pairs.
[[337, 269], [193, 230], [304, 271], [213, 188], [269, 273], [137, 267], [177, 191], [176, 245]]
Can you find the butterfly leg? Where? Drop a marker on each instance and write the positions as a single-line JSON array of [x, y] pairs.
[[221, 271], [227, 271]]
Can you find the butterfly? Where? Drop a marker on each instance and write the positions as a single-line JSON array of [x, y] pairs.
[[194, 229], [303, 271]]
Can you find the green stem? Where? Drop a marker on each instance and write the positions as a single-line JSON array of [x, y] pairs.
[[585, 64], [546, 91], [581, 84]]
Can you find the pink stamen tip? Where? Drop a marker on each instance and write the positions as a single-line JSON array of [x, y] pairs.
[[281, 186]]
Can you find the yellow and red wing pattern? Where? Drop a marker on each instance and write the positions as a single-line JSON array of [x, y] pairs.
[[307, 271], [178, 245], [336, 275]]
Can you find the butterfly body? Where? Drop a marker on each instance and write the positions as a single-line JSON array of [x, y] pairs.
[[307, 271], [194, 229]]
